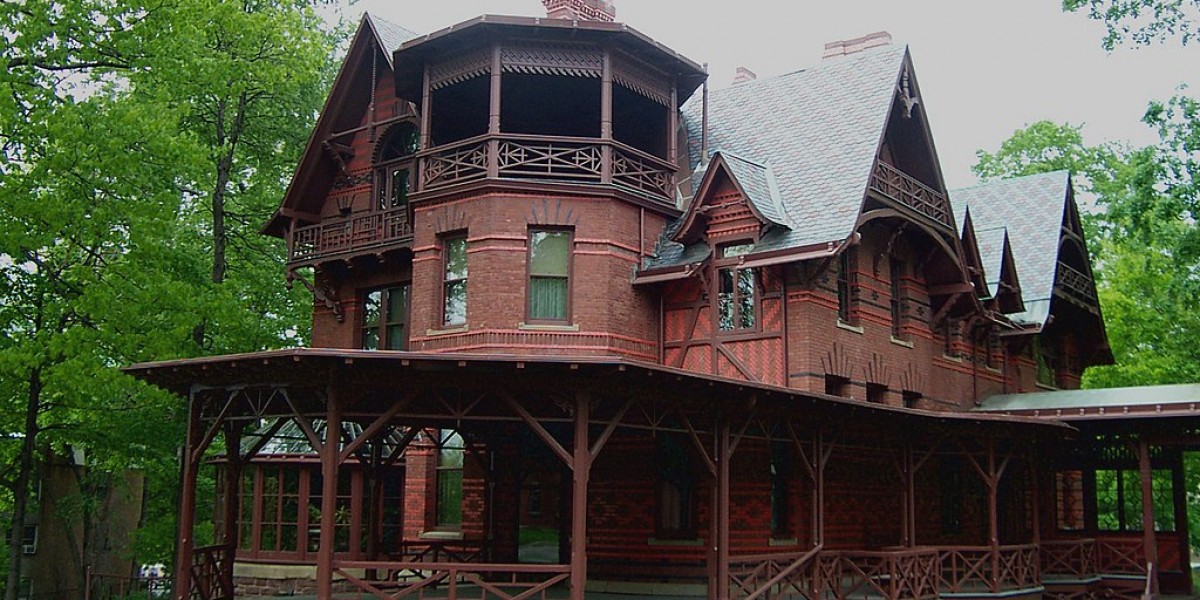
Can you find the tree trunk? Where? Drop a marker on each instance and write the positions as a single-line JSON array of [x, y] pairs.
[[224, 168], [21, 485]]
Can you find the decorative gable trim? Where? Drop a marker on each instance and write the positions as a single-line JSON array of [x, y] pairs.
[[695, 220]]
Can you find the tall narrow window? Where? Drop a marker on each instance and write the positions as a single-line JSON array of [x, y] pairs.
[[781, 471], [897, 293], [385, 319], [737, 302], [449, 480], [393, 179], [454, 281], [845, 286], [549, 276], [676, 488]]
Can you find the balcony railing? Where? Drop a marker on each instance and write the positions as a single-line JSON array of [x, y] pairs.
[[1076, 284], [561, 159], [904, 189], [339, 235], [978, 569]]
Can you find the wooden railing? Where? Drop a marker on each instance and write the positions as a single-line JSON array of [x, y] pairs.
[[966, 569], [1076, 284], [110, 586], [457, 551], [554, 158], [1069, 559], [1121, 555], [903, 188], [779, 575], [345, 234], [909, 574], [452, 581], [212, 573]]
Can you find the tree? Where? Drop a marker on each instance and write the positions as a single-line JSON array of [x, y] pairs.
[[1142, 22]]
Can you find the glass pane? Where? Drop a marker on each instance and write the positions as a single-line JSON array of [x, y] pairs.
[[746, 297], [548, 298], [291, 510], [725, 299], [399, 179], [456, 303], [267, 540], [396, 339], [456, 258], [550, 253], [397, 304], [371, 306], [287, 541], [449, 500], [370, 339], [270, 512], [451, 454], [291, 481]]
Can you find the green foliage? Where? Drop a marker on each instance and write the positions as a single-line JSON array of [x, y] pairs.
[[1141, 22], [121, 124]]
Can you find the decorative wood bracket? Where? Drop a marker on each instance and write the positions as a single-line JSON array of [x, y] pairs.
[[339, 153], [325, 294], [906, 94]]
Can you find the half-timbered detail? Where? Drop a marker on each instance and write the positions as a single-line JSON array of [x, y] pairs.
[[580, 331]]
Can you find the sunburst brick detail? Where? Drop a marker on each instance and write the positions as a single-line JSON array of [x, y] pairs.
[[836, 362]]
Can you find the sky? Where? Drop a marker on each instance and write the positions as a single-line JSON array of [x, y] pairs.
[[986, 68]]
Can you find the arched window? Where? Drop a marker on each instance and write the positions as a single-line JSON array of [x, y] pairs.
[[394, 170]]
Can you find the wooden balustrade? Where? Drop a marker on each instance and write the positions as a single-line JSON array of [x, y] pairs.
[[909, 574], [212, 573], [778, 575], [552, 158], [1121, 555], [904, 189], [356, 232], [1069, 559], [452, 580], [1076, 284], [968, 569]]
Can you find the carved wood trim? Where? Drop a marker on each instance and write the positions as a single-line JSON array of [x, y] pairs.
[[460, 68], [642, 79], [563, 59]]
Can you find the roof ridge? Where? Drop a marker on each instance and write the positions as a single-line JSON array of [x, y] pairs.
[[1010, 179]]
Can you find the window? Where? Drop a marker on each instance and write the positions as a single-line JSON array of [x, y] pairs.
[[549, 276], [280, 512], [897, 293], [454, 281], [949, 333], [910, 398], [736, 293], [449, 480], [676, 488], [1119, 500], [393, 179], [1047, 375], [29, 539], [845, 286], [876, 393], [781, 472], [836, 385], [385, 319]]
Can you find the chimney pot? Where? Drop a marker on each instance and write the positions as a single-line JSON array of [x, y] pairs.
[[858, 44], [581, 10], [742, 75]]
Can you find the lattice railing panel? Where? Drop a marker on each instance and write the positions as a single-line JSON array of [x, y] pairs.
[[343, 234], [977, 569], [910, 574], [451, 581], [1075, 559], [906, 190], [553, 160], [786, 575], [212, 573], [454, 164], [642, 174], [1076, 284]]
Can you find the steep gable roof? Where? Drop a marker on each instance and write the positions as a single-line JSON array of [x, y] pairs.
[[820, 127], [1031, 209], [390, 35]]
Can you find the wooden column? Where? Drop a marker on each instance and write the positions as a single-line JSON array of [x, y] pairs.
[[723, 456], [493, 157], [673, 125], [1179, 491], [1149, 538], [187, 502], [606, 119], [993, 486], [1035, 494], [233, 473], [581, 466], [426, 125], [908, 475], [330, 457], [821, 457]]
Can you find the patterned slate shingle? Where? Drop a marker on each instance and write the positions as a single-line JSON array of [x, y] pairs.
[[991, 250], [1032, 210], [818, 128], [759, 183], [390, 34]]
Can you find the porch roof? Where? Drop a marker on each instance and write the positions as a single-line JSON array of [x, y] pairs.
[[390, 369], [1152, 401]]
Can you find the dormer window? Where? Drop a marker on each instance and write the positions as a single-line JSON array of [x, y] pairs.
[[737, 298], [394, 166]]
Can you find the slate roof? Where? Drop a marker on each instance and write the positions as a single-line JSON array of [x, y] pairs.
[[761, 187], [390, 34], [819, 128], [1031, 208], [991, 250]]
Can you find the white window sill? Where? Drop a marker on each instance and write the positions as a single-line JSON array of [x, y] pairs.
[[547, 327], [448, 331], [848, 327]]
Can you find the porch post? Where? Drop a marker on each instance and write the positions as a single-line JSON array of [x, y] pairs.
[[581, 465], [330, 455], [1035, 492], [993, 485], [820, 458], [1179, 491], [908, 475], [187, 502], [233, 473], [497, 74], [606, 119], [1149, 538], [722, 506]]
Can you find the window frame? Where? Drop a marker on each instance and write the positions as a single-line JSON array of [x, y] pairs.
[[382, 328], [568, 312], [446, 437], [383, 199], [733, 264], [847, 287], [687, 496], [444, 246], [896, 274]]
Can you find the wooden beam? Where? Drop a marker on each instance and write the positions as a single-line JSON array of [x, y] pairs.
[[374, 428], [538, 430], [598, 445]]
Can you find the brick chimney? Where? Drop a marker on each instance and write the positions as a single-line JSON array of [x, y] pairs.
[[742, 75], [581, 10], [845, 47]]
